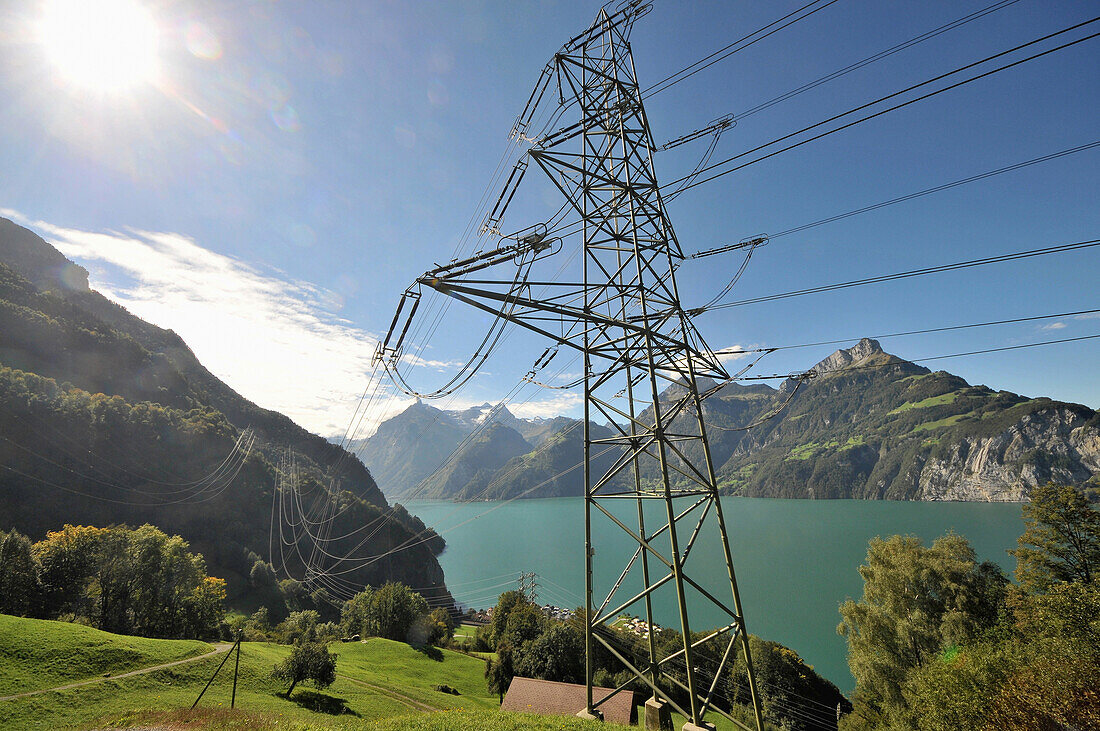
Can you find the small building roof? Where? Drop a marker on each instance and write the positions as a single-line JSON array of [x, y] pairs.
[[547, 697]]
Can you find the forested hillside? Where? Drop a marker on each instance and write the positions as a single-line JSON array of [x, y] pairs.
[[105, 418]]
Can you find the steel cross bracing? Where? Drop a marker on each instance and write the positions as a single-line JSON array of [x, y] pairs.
[[636, 340]]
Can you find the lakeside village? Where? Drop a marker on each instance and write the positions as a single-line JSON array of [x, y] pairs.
[[625, 622]]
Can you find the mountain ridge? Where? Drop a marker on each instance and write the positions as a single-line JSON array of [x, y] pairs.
[[867, 425]]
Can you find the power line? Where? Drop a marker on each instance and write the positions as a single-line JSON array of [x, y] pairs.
[[893, 108], [876, 57], [726, 52], [914, 332], [929, 191], [938, 357], [908, 274], [883, 204]]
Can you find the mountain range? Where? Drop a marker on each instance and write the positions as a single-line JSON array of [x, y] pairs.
[[105, 419], [867, 425]]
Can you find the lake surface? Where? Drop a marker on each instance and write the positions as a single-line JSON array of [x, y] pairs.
[[796, 560]]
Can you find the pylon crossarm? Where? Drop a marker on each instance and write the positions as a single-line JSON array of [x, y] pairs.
[[466, 294], [627, 13]]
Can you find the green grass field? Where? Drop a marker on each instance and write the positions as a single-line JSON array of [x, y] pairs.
[[465, 631], [39, 654], [380, 685], [386, 682]]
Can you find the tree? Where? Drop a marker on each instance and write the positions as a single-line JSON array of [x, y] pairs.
[[355, 616], [1061, 541], [525, 623], [440, 626], [19, 587], [507, 601], [917, 602], [129, 581], [556, 654], [794, 697], [67, 558], [1036, 670], [299, 628], [499, 672], [393, 611], [309, 662]]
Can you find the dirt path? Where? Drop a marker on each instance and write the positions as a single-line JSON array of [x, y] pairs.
[[402, 699], [218, 647]]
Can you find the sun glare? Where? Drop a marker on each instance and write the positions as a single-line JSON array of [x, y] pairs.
[[101, 45]]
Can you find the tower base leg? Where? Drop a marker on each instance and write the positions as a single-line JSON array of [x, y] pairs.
[[588, 715], [658, 716]]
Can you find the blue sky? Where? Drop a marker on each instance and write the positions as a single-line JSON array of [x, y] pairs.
[[294, 165]]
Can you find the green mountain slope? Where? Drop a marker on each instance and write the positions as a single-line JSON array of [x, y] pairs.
[[474, 464], [871, 425], [409, 447], [105, 418]]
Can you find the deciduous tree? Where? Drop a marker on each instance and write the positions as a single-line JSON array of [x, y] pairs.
[[1061, 541], [556, 654], [310, 662], [917, 602], [19, 588]]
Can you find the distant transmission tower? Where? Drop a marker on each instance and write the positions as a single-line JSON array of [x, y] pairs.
[[625, 318], [529, 586]]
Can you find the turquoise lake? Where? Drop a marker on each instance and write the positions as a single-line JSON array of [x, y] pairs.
[[796, 560]]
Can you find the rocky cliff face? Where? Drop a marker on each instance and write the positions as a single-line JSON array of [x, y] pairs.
[[1054, 444]]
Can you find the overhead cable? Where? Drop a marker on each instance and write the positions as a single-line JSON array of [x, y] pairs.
[[876, 57], [908, 274], [938, 188], [936, 357], [1015, 320], [727, 51], [888, 109]]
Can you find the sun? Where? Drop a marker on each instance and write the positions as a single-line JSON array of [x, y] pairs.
[[101, 45]]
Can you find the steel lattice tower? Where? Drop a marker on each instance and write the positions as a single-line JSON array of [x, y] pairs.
[[636, 341]]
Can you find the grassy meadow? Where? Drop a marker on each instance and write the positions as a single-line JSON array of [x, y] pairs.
[[380, 684]]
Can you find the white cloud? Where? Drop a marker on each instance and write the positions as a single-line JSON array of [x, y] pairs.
[[739, 352], [1054, 326], [275, 340], [440, 365], [550, 407]]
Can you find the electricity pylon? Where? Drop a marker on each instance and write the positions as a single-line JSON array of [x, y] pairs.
[[636, 340]]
